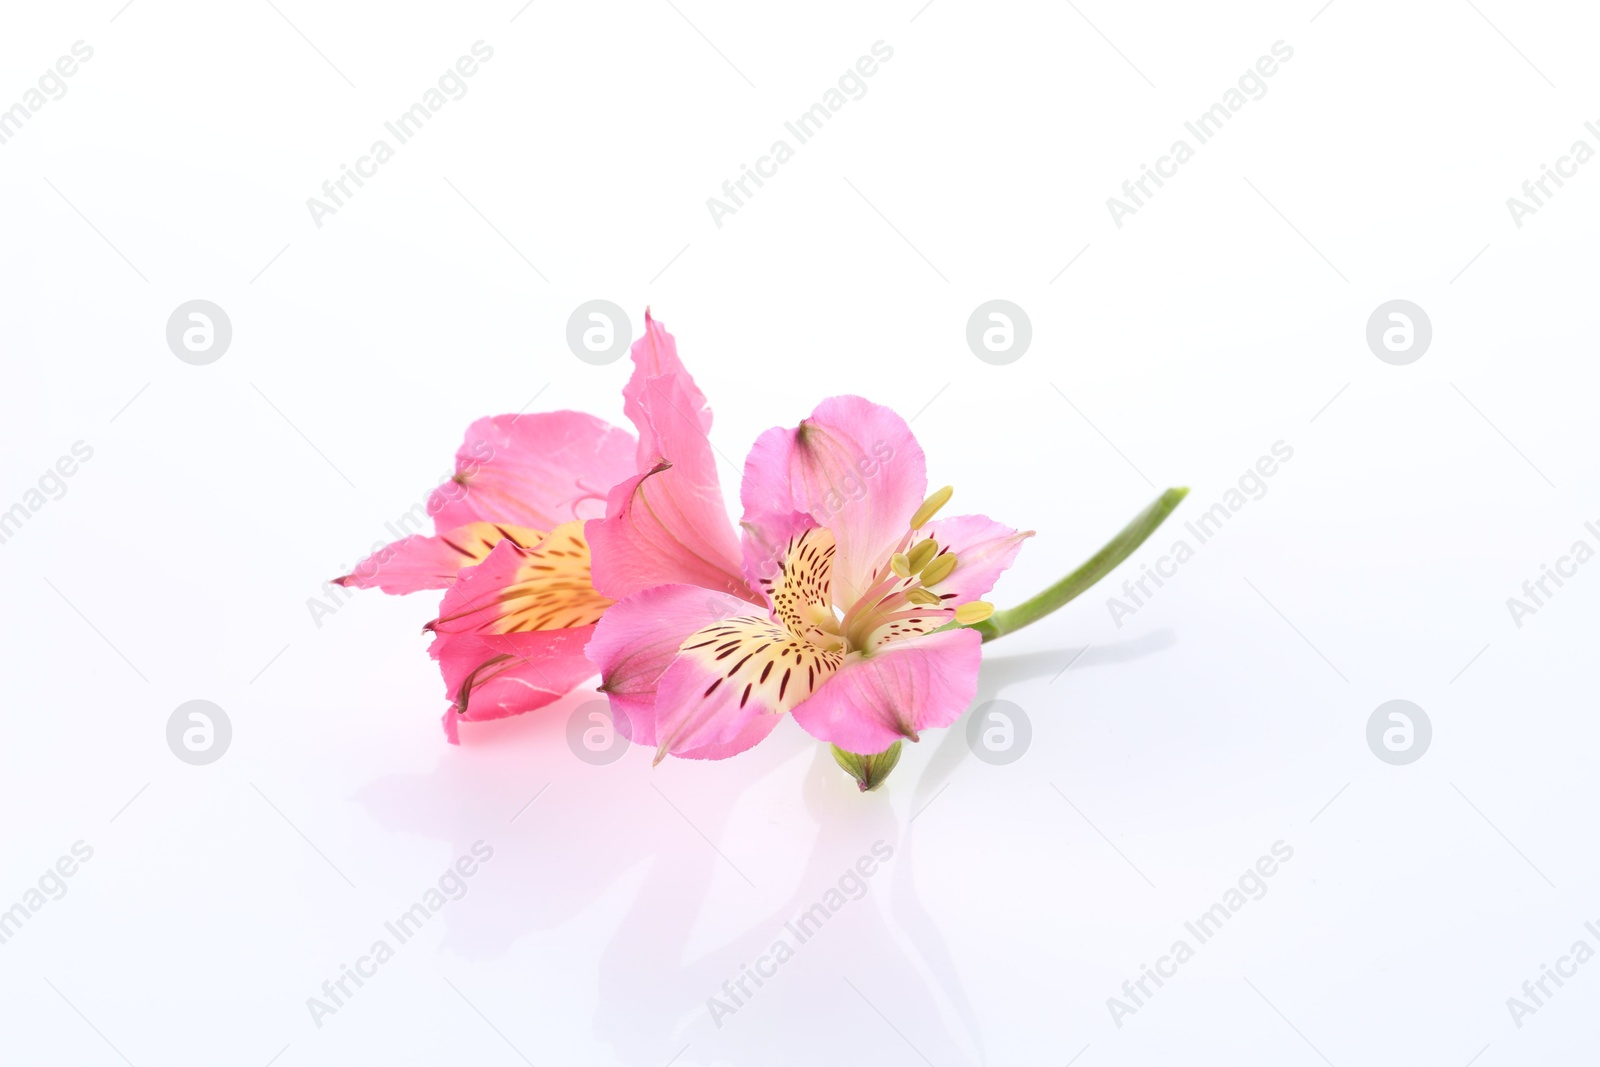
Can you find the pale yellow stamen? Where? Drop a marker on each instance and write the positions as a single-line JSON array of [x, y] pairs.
[[900, 563], [922, 598], [977, 611], [930, 507], [921, 553], [939, 569]]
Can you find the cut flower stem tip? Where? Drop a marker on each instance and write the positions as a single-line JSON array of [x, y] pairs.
[[1095, 568]]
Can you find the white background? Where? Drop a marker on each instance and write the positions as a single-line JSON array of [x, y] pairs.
[[1227, 714]]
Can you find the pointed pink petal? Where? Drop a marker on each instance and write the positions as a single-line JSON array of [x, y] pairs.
[[855, 468], [655, 355], [906, 687], [491, 676], [418, 562], [637, 639], [668, 524], [537, 470], [984, 549]]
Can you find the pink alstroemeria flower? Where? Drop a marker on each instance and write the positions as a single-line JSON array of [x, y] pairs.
[[564, 545], [509, 551], [857, 584]]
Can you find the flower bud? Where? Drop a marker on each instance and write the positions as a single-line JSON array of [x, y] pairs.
[[868, 771]]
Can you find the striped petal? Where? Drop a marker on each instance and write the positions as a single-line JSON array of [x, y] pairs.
[[516, 589], [798, 592], [730, 674]]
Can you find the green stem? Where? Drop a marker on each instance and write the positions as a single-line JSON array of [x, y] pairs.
[[1097, 567]]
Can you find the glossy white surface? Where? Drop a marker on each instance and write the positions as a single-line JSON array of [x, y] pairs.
[[1228, 713]]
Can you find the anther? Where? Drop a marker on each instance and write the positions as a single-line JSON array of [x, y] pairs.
[[939, 569], [921, 553], [976, 611], [930, 507]]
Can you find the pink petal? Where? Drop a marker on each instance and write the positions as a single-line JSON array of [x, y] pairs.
[[491, 676], [537, 470], [416, 562], [983, 548], [512, 629], [765, 544], [668, 524], [906, 687], [655, 355], [729, 676], [753, 732], [546, 587], [637, 639], [855, 468]]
